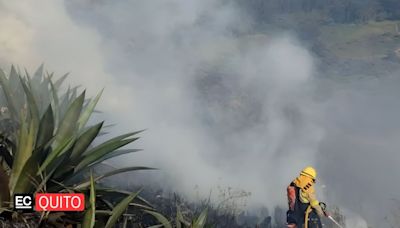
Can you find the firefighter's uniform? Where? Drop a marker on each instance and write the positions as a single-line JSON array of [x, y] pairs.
[[304, 208]]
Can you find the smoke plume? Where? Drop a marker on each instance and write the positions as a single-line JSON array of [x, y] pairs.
[[224, 105]]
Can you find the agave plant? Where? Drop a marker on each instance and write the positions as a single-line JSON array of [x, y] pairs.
[[46, 143], [180, 221]]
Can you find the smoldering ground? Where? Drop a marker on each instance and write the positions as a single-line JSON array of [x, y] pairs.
[[224, 104]]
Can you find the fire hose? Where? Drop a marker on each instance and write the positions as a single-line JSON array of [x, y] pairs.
[[323, 206]]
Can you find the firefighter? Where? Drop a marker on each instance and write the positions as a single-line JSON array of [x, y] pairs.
[[304, 208]]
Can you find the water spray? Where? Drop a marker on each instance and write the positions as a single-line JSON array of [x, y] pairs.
[[323, 207], [334, 221]]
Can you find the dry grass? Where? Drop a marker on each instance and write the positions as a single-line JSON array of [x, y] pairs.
[[361, 41]]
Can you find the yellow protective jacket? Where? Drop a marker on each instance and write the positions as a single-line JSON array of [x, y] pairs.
[[307, 193]]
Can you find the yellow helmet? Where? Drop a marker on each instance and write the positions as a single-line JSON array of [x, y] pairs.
[[309, 172]]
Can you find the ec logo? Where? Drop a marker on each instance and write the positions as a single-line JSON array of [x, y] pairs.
[[50, 202], [23, 202]]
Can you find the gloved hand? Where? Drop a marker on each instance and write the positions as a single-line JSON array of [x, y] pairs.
[[323, 207]]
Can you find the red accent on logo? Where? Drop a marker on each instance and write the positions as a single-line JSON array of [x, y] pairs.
[[59, 202]]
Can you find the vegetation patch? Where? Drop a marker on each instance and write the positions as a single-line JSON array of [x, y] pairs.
[[361, 41]]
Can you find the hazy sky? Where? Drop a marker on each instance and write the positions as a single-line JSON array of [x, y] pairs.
[[223, 104]]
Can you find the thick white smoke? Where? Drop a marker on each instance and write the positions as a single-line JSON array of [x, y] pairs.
[[153, 57], [223, 105], [359, 153]]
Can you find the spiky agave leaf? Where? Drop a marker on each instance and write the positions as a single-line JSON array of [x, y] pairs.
[[54, 102], [39, 87], [80, 146], [84, 141], [28, 176], [119, 209], [46, 127], [24, 148], [37, 76], [200, 222], [32, 105], [84, 185], [58, 151], [67, 126], [92, 158], [64, 103], [116, 153], [115, 193], [89, 218], [59, 82], [11, 101], [92, 155], [83, 119], [160, 218], [17, 92]]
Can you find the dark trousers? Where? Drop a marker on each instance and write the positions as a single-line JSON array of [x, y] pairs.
[[314, 221]]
